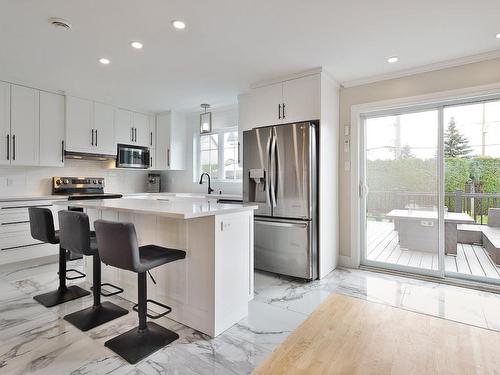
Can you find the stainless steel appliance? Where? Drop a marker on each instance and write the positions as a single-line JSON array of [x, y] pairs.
[[154, 180], [280, 177], [78, 188], [129, 156]]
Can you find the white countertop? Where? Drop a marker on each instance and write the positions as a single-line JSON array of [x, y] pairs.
[[177, 208]]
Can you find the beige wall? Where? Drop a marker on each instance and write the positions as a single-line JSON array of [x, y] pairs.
[[470, 75]]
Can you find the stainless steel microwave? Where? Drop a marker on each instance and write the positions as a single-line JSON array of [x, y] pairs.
[[129, 156]]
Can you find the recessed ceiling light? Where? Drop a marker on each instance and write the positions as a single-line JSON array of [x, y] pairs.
[[178, 24], [136, 45], [498, 36], [104, 61], [393, 59]]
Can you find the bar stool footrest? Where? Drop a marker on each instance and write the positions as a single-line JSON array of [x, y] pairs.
[[106, 294], [167, 308], [81, 275]]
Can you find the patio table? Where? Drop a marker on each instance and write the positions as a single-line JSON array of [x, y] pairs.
[[417, 229]]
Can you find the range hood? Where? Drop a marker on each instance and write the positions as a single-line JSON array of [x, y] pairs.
[[88, 156]]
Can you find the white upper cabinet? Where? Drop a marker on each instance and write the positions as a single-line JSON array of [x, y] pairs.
[[152, 141], [266, 102], [25, 125], [141, 128], [170, 141], [284, 102], [104, 129], [4, 123], [51, 129], [301, 99], [124, 129], [90, 127], [79, 129]]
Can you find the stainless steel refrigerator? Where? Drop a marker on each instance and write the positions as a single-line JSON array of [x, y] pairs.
[[280, 176]]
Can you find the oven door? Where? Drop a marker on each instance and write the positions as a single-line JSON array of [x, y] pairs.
[[132, 157]]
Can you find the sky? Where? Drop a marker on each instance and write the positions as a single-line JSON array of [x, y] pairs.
[[419, 131]]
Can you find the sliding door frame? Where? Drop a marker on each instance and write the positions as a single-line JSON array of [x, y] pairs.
[[397, 106], [363, 191]]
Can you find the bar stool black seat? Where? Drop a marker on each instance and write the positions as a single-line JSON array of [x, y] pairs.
[[42, 229], [118, 247], [74, 232]]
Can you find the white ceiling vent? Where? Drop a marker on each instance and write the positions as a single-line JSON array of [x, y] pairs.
[[59, 22]]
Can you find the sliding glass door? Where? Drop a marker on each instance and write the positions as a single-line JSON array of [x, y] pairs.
[[430, 190], [472, 190], [401, 191]]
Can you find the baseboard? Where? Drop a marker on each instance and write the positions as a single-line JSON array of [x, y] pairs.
[[345, 261]]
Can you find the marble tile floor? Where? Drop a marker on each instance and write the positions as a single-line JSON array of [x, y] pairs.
[[34, 339]]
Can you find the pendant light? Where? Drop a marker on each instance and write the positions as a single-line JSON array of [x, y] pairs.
[[205, 120]]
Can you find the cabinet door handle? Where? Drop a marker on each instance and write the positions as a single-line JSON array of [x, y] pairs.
[[135, 134], [279, 111], [92, 137], [96, 137], [62, 151], [283, 110], [151, 138], [168, 157], [8, 146], [13, 147], [132, 135], [150, 162], [239, 144]]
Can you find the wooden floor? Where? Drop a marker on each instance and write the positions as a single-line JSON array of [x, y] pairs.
[[383, 246], [346, 335]]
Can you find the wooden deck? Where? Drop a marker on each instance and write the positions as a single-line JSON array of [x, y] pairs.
[[383, 246]]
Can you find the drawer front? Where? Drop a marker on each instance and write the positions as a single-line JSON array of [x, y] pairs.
[[13, 239], [14, 223]]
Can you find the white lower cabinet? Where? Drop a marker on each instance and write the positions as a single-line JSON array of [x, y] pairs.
[[16, 243]]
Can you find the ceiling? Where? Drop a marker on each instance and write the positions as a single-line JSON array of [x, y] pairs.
[[228, 44]]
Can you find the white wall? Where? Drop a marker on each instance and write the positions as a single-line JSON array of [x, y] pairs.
[[184, 181], [25, 181], [459, 77]]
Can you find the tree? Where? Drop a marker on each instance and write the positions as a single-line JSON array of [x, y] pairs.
[[455, 144]]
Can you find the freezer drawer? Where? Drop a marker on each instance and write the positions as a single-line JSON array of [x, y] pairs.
[[285, 247]]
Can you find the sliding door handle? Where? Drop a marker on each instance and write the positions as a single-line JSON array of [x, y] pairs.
[[8, 146], [13, 147]]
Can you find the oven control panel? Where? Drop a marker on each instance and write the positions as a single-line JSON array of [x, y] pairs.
[[77, 183]]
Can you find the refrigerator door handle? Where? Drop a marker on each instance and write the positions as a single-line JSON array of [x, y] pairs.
[[281, 224], [272, 170]]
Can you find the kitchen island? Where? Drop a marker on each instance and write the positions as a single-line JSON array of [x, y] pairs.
[[209, 290]]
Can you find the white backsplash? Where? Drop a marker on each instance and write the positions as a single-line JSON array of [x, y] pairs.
[[26, 181]]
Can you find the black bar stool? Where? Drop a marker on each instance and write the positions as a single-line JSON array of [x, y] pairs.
[[118, 247], [42, 229], [74, 233]]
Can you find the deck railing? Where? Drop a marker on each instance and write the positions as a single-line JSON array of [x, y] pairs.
[[379, 203]]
